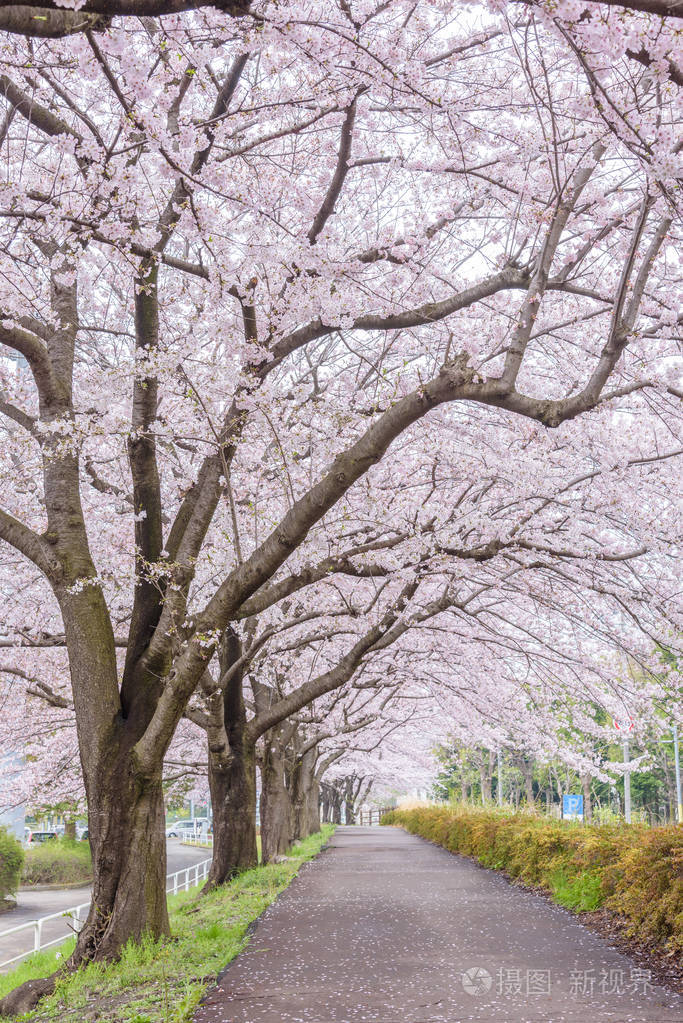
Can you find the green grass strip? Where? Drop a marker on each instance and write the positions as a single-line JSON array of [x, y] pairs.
[[163, 982]]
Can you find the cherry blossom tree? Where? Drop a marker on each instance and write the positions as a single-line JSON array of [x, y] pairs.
[[255, 266]]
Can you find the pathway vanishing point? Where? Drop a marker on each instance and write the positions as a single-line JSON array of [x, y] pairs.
[[385, 928]]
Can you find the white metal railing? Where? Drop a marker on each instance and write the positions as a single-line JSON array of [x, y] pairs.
[[203, 841], [77, 914], [200, 871], [38, 944], [369, 816]]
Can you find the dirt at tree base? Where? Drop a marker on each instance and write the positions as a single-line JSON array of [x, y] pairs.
[[666, 966]]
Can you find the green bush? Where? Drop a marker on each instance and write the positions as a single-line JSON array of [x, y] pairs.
[[11, 858], [581, 893], [632, 869], [62, 861]]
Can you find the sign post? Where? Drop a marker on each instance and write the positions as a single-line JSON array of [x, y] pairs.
[[627, 784], [677, 764], [572, 807], [625, 727]]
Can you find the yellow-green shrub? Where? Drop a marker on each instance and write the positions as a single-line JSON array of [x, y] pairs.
[[635, 870]]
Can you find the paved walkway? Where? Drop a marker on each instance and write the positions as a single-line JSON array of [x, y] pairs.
[[386, 928]]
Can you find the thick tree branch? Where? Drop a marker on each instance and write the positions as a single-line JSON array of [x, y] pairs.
[[142, 457], [337, 183], [662, 8], [541, 274], [28, 543], [18, 416], [35, 113], [36, 354], [430, 312], [46, 640], [49, 20]]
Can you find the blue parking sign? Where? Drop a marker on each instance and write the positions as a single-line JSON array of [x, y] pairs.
[[572, 808]]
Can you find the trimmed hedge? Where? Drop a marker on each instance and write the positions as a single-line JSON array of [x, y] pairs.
[[61, 861], [11, 859], [633, 870]]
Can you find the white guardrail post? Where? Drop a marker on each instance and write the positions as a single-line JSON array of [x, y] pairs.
[[75, 913]]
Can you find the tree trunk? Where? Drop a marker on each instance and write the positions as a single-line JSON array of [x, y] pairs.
[[128, 842], [669, 788], [233, 797], [70, 829], [126, 813], [313, 807], [304, 796], [126, 819], [349, 807], [587, 803], [558, 785], [526, 767], [485, 778], [326, 804], [232, 775], [276, 808]]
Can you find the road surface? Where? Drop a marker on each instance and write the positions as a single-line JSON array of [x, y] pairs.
[[34, 904], [385, 928]]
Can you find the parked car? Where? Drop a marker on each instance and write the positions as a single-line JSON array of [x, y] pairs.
[[179, 828], [42, 836], [186, 828]]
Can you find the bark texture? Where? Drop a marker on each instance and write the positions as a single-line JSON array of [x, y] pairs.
[[233, 796], [305, 795], [276, 807]]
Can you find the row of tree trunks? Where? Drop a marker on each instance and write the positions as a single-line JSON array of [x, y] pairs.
[[289, 802], [290, 794]]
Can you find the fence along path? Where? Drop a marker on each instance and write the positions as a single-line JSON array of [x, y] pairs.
[[55, 928], [369, 816]]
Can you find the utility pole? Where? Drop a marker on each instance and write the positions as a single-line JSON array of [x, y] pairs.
[[677, 763], [627, 784], [500, 780]]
